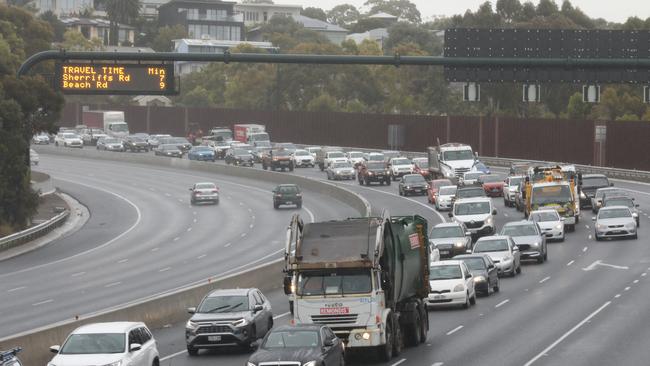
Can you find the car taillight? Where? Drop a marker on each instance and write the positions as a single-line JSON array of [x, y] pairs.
[[215, 191]]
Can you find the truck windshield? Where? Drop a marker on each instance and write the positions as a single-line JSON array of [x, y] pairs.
[[472, 208], [336, 154], [119, 127], [551, 194], [222, 135], [458, 155], [259, 137], [310, 284], [515, 181]]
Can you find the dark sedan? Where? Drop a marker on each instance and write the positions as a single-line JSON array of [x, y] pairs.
[[202, 153], [135, 143], [287, 194], [170, 150], [484, 272], [181, 142], [303, 344], [239, 157], [589, 184], [413, 184]]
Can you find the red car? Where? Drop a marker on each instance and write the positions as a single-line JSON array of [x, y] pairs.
[[434, 186], [492, 184]]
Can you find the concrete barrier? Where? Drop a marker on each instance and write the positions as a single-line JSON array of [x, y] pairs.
[[169, 307]]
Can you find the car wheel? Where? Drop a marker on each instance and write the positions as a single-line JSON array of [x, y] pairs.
[[192, 351], [388, 182], [192, 202], [472, 300], [466, 304], [496, 287], [519, 268], [636, 236], [540, 260], [546, 255], [400, 192]]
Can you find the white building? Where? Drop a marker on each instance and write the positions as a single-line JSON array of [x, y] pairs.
[[208, 46], [379, 35], [62, 7], [262, 13]]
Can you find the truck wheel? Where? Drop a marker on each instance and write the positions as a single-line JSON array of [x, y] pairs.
[[387, 182], [321, 166], [386, 351], [398, 343], [413, 330], [424, 324]]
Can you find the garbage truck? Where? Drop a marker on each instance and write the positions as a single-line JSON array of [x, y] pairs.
[[366, 278]]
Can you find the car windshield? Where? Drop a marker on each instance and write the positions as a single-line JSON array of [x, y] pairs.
[[550, 215], [263, 143], [292, 339], [469, 176], [401, 162], [475, 263], [445, 272], [376, 157], [169, 147], [376, 166], [446, 232], [356, 155], [342, 165], [415, 178], [339, 283], [119, 127], [495, 245], [591, 182], [137, 139], [551, 194], [301, 153], [240, 152], [202, 148], [491, 178], [110, 141], [515, 181], [205, 186], [458, 155], [619, 202], [94, 343], [288, 189], [472, 192], [223, 304], [336, 154], [447, 191], [519, 230], [69, 136], [471, 208], [614, 213], [179, 140], [601, 192]]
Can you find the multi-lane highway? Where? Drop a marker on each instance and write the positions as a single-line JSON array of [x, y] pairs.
[[585, 306]]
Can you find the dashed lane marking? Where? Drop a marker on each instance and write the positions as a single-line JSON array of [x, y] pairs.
[[43, 302], [455, 330], [617, 296], [113, 284], [189, 229], [502, 303], [570, 263], [243, 235], [227, 245], [399, 362], [17, 289], [123, 260], [201, 256], [545, 279], [176, 238], [627, 288], [78, 274], [635, 281], [155, 249], [585, 248], [164, 269], [438, 364]]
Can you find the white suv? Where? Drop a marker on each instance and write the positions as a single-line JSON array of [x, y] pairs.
[[117, 343], [335, 157], [400, 167], [476, 213], [68, 139]]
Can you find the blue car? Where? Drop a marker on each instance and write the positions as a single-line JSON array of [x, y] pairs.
[[202, 153], [482, 168]]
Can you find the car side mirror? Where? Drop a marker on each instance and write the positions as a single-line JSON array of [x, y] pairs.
[[593, 218], [191, 310], [611, 184], [257, 308], [515, 248], [562, 219], [450, 214], [328, 343], [494, 212], [491, 266], [135, 347], [55, 349], [469, 275]]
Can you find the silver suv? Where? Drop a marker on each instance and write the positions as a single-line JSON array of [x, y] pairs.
[[236, 317]]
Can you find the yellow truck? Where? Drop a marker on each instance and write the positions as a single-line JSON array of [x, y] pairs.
[[547, 187]]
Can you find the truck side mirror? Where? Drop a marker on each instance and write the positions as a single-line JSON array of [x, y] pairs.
[[450, 214], [287, 284], [494, 212]]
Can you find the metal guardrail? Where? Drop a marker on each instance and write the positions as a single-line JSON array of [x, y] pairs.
[[34, 232]]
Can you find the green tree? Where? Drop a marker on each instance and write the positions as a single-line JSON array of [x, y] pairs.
[[323, 103], [404, 9], [27, 104], [509, 10], [120, 11], [73, 40], [58, 28], [344, 15], [546, 8], [577, 109], [528, 11], [314, 13], [403, 32], [163, 40]]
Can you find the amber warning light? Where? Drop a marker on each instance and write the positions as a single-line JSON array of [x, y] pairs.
[[116, 78]]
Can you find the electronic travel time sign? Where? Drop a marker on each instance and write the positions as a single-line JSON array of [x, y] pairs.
[[116, 78]]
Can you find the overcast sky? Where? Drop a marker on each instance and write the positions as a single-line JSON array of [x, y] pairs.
[[614, 11]]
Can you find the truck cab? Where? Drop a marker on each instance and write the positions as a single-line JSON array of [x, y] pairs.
[[451, 160]]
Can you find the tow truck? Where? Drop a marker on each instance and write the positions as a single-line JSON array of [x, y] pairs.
[[546, 187]]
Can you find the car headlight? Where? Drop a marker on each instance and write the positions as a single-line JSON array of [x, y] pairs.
[[191, 325], [250, 364], [407, 187], [240, 323], [489, 220], [601, 227], [459, 244], [310, 363], [583, 195], [479, 279], [459, 288], [630, 225], [535, 244], [559, 226]]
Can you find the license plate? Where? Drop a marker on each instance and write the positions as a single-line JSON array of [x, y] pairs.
[[335, 311], [418, 190], [284, 162], [443, 252], [214, 338], [288, 203], [439, 297]]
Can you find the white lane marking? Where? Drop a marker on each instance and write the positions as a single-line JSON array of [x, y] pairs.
[[173, 355], [180, 200], [570, 263], [250, 210], [587, 226], [137, 222], [155, 249], [399, 362], [584, 249], [202, 256], [176, 238], [643, 274], [505, 214], [253, 217], [17, 289], [617, 296], [194, 213], [545, 279], [251, 226], [281, 315], [627, 288], [152, 189], [565, 335], [227, 245], [43, 302], [635, 281], [455, 330], [243, 235], [589, 237], [189, 229], [311, 214], [241, 203], [123, 260], [438, 363], [592, 266], [502, 303], [164, 269], [78, 274], [195, 221], [112, 284]]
